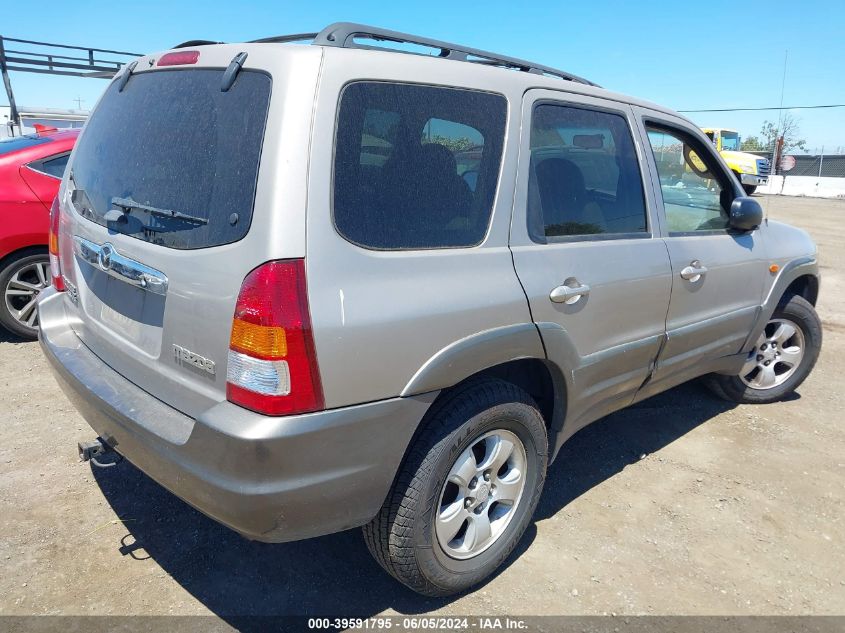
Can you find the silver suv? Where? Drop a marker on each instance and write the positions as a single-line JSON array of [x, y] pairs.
[[310, 287]]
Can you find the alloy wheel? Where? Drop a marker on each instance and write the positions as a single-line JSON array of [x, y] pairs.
[[481, 494], [776, 356], [22, 290]]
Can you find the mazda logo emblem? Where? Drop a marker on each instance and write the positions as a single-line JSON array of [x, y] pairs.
[[104, 258]]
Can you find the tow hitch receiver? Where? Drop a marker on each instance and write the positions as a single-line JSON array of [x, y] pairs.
[[95, 450]]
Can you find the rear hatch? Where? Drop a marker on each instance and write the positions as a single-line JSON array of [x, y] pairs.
[[158, 224]]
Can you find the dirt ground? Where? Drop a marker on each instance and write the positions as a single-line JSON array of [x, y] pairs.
[[683, 504]]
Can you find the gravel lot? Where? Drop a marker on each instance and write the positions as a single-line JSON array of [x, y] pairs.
[[683, 504]]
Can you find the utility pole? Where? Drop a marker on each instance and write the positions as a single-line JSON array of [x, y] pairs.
[[778, 137]]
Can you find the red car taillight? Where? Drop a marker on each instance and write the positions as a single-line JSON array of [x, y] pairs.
[[53, 246], [272, 366]]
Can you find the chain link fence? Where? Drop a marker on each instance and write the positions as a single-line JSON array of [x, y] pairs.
[[816, 172], [817, 162]]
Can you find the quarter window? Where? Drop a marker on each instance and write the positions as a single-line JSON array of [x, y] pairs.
[[416, 166], [54, 167], [585, 178], [694, 198]]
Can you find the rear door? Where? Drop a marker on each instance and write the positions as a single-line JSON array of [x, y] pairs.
[[587, 250], [162, 217], [717, 273]]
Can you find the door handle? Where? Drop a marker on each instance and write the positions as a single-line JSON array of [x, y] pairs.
[[694, 272], [569, 294]]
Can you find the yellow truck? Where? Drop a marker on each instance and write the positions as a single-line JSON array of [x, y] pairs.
[[752, 170]]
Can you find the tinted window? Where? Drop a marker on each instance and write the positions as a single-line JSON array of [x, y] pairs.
[[692, 196], [416, 166], [54, 167], [172, 140], [9, 145], [585, 178]]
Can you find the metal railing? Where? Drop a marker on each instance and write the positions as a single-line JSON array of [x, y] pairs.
[[31, 56]]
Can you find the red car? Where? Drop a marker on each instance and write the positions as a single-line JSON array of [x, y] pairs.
[[31, 169]]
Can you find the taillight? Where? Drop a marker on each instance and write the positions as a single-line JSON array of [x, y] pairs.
[[53, 246], [272, 366], [178, 58]]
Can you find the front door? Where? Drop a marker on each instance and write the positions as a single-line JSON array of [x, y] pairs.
[[587, 249], [717, 273]]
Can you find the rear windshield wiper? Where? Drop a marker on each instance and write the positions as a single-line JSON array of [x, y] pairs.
[[125, 206]]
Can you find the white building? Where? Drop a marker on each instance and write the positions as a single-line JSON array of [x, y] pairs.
[[51, 117]]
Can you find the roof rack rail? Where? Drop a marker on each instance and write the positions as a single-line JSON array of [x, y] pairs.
[[344, 35], [276, 39], [281, 39], [196, 43]]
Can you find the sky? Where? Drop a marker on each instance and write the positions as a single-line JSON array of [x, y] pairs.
[[684, 55]]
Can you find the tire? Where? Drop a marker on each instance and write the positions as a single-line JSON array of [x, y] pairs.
[[749, 189], [756, 384], [23, 277], [407, 537]]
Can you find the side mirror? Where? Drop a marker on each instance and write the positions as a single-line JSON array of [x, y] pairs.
[[746, 214]]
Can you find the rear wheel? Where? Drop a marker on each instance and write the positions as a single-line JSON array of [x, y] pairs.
[[749, 189], [782, 358], [22, 279], [465, 492]]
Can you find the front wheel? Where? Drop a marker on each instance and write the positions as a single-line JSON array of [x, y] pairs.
[[749, 189], [465, 492], [782, 358]]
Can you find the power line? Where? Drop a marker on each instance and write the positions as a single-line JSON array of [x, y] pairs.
[[808, 107]]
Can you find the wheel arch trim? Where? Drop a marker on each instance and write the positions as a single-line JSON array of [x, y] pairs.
[[800, 267], [475, 353]]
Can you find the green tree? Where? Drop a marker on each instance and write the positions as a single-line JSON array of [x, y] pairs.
[[788, 128], [751, 144]]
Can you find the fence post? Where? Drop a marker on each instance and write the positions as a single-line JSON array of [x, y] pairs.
[[821, 161]]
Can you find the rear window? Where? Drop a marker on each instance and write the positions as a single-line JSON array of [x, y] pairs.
[[416, 166], [172, 159], [9, 145], [585, 178]]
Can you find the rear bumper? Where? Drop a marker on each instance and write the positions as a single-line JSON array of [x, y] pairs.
[[270, 478], [751, 179]]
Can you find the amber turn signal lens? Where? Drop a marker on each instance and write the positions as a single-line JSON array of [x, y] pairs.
[[259, 340], [774, 268]]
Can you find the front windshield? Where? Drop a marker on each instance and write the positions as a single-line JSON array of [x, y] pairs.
[[730, 141]]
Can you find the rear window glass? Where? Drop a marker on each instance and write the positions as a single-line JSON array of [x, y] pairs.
[[585, 178], [416, 166], [172, 159], [9, 145]]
